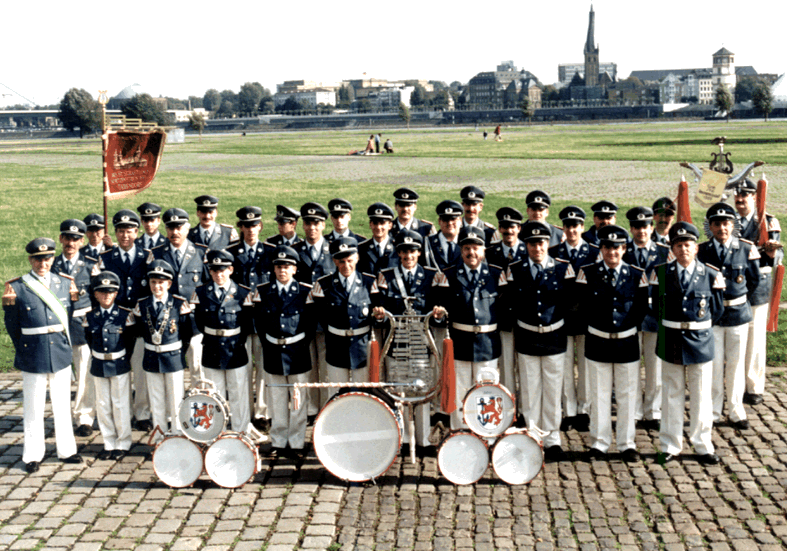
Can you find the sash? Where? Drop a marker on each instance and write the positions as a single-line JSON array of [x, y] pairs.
[[49, 298]]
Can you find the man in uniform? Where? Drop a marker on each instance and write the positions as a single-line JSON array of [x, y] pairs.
[[95, 236], [739, 262], [576, 396], [406, 203], [604, 214], [73, 264], [646, 254], [378, 253], [663, 216], [770, 256], [150, 214], [688, 296], [540, 287], [443, 246], [341, 214], [287, 221], [214, 236], [472, 204], [538, 210], [613, 297], [471, 292], [37, 309]]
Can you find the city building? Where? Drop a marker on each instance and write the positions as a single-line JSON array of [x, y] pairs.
[[566, 71], [489, 89], [592, 85], [309, 98]]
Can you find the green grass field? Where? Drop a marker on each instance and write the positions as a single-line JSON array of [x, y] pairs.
[[45, 182]]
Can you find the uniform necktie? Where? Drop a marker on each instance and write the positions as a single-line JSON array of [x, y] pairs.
[[539, 271], [251, 253], [313, 252], [573, 255], [178, 255], [743, 222], [380, 251], [68, 266], [408, 279], [206, 235], [474, 277], [126, 262], [158, 308], [510, 254], [347, 284], [641, 259], [148, 242], [612, 277], [684, 279], [722, 253], [283, 293], [105, 315], [222, 294]]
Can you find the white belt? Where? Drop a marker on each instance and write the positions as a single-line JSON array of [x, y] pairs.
[[108, 356], [43, 330], [163, 347], [348, 332], [475, 328], [766, 269], [286, 340], [81, 312], [541, 328], [735, 301], [222, 332], [613, 336], [687, 325]]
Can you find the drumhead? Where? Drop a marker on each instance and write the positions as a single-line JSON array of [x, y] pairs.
[[357, 436], [177, 461], [231, 461], [489, 409], [463, 457], [517, 458], [203, 415]]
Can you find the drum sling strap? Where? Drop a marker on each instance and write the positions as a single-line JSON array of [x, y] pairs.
[[49, 298]]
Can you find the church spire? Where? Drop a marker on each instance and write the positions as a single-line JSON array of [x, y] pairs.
[[591, 53], [590, 43]]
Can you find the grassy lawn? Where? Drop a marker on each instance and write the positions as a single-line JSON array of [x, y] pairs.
[[45, 182]]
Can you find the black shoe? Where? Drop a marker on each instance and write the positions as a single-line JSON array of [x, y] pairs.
[[743, 424], [581, 422], [145, 425], [32, 467], [663, 459], [118, 455], [595, 454], [310, 419], [103, 455], [554, 453], [650, 424], [630, 455], [567, 424], [425, 451], [73, 459], [752, 399], [262, 425], [83, 430], [709, 459]]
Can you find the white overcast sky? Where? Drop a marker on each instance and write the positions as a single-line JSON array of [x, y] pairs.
[[176, 48]]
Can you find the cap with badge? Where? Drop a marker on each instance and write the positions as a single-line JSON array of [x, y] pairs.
[[286, 214], [175, 217], [94, 222], [149, 210], [509, 216], [604, 209], [664, 205], [571, 213], [380, 211], [682, 231], [207, 202], [285, 255], [160, 269], [471, 235], [339, 206], [720, 212], [218, 260], [538, 199], [407, 240], [449, 209], [314, 211], [249, 216], [41, 247], [746, 187], [612, 235], [639, 216], [125, 218], [535, 231], [73, 228], [343, 246], [106, 281], [405, 195], [472, 194]]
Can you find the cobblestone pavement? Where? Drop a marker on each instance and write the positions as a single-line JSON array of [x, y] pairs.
[[739, 504]]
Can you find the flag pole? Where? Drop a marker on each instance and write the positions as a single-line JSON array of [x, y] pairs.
[[103, 100]]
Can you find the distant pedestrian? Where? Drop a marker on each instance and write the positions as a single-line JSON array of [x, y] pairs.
[[377, 138], [498, 137], [388, 146]]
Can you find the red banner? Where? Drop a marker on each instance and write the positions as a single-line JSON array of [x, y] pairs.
[[131, 160]]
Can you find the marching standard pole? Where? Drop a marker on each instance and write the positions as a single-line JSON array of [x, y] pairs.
[[102, 99]]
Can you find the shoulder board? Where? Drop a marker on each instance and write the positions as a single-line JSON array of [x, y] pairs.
[[746, 241], [386, 270], [561, 260], [429, 269], [90, 258], [61, 274], [106, 251], [593, 246], [637, 268], [496, 267], [588, 265], [124, 308], [660, 244], [160, 246], [371, 276], [12, 280], [557, 227], [180, 297], [272, 246], [712, 266], [244, 287], [227, 226], [307, 285], [489, 226], [266, 284], [201, 246], [517, 262]]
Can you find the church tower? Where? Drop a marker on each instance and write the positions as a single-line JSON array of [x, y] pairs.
[[591, 54]]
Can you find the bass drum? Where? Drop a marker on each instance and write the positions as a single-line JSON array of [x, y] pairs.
[[489, 409], [357, 436], [232, 460], [463, 457], [177, 461], [203, 415], [517, 458]]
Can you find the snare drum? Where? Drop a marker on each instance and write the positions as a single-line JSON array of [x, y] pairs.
[[177, 461], [489, 409], [232, 460], [203, 415], [463, 457], [517, 458], [357, 435]]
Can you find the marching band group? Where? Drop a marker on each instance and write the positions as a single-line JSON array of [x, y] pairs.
[[565, 315]]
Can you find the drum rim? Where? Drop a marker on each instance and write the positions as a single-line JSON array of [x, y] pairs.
[[463, 432], [489, 434], [223, 405], [195, 444], [526, 434], [246, 439], [315, 434]]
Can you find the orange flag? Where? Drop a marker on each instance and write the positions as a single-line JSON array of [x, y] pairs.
[[684, 208], [448, 382]]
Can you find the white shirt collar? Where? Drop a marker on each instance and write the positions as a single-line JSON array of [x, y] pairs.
[[347, 281], [444, 240], [46, 280], [616, 268], [132, 252], [690, 268], [285, 286], [182, 248]]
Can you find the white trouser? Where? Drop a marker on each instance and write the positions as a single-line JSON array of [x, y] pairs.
[[256, 378], [700, 381], [542, 383], [466, 374], [85, 399], [233, 385], [421, 417], [568, 394], [318, 374], [576, 345], [649, 402], [113, 411], [507, 361], [728, 364], [344, 375], [166, 393], [755, 350], [194, 357], [34, 404], [288, 426], [141, 404], [602, 378], [439, 334]]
